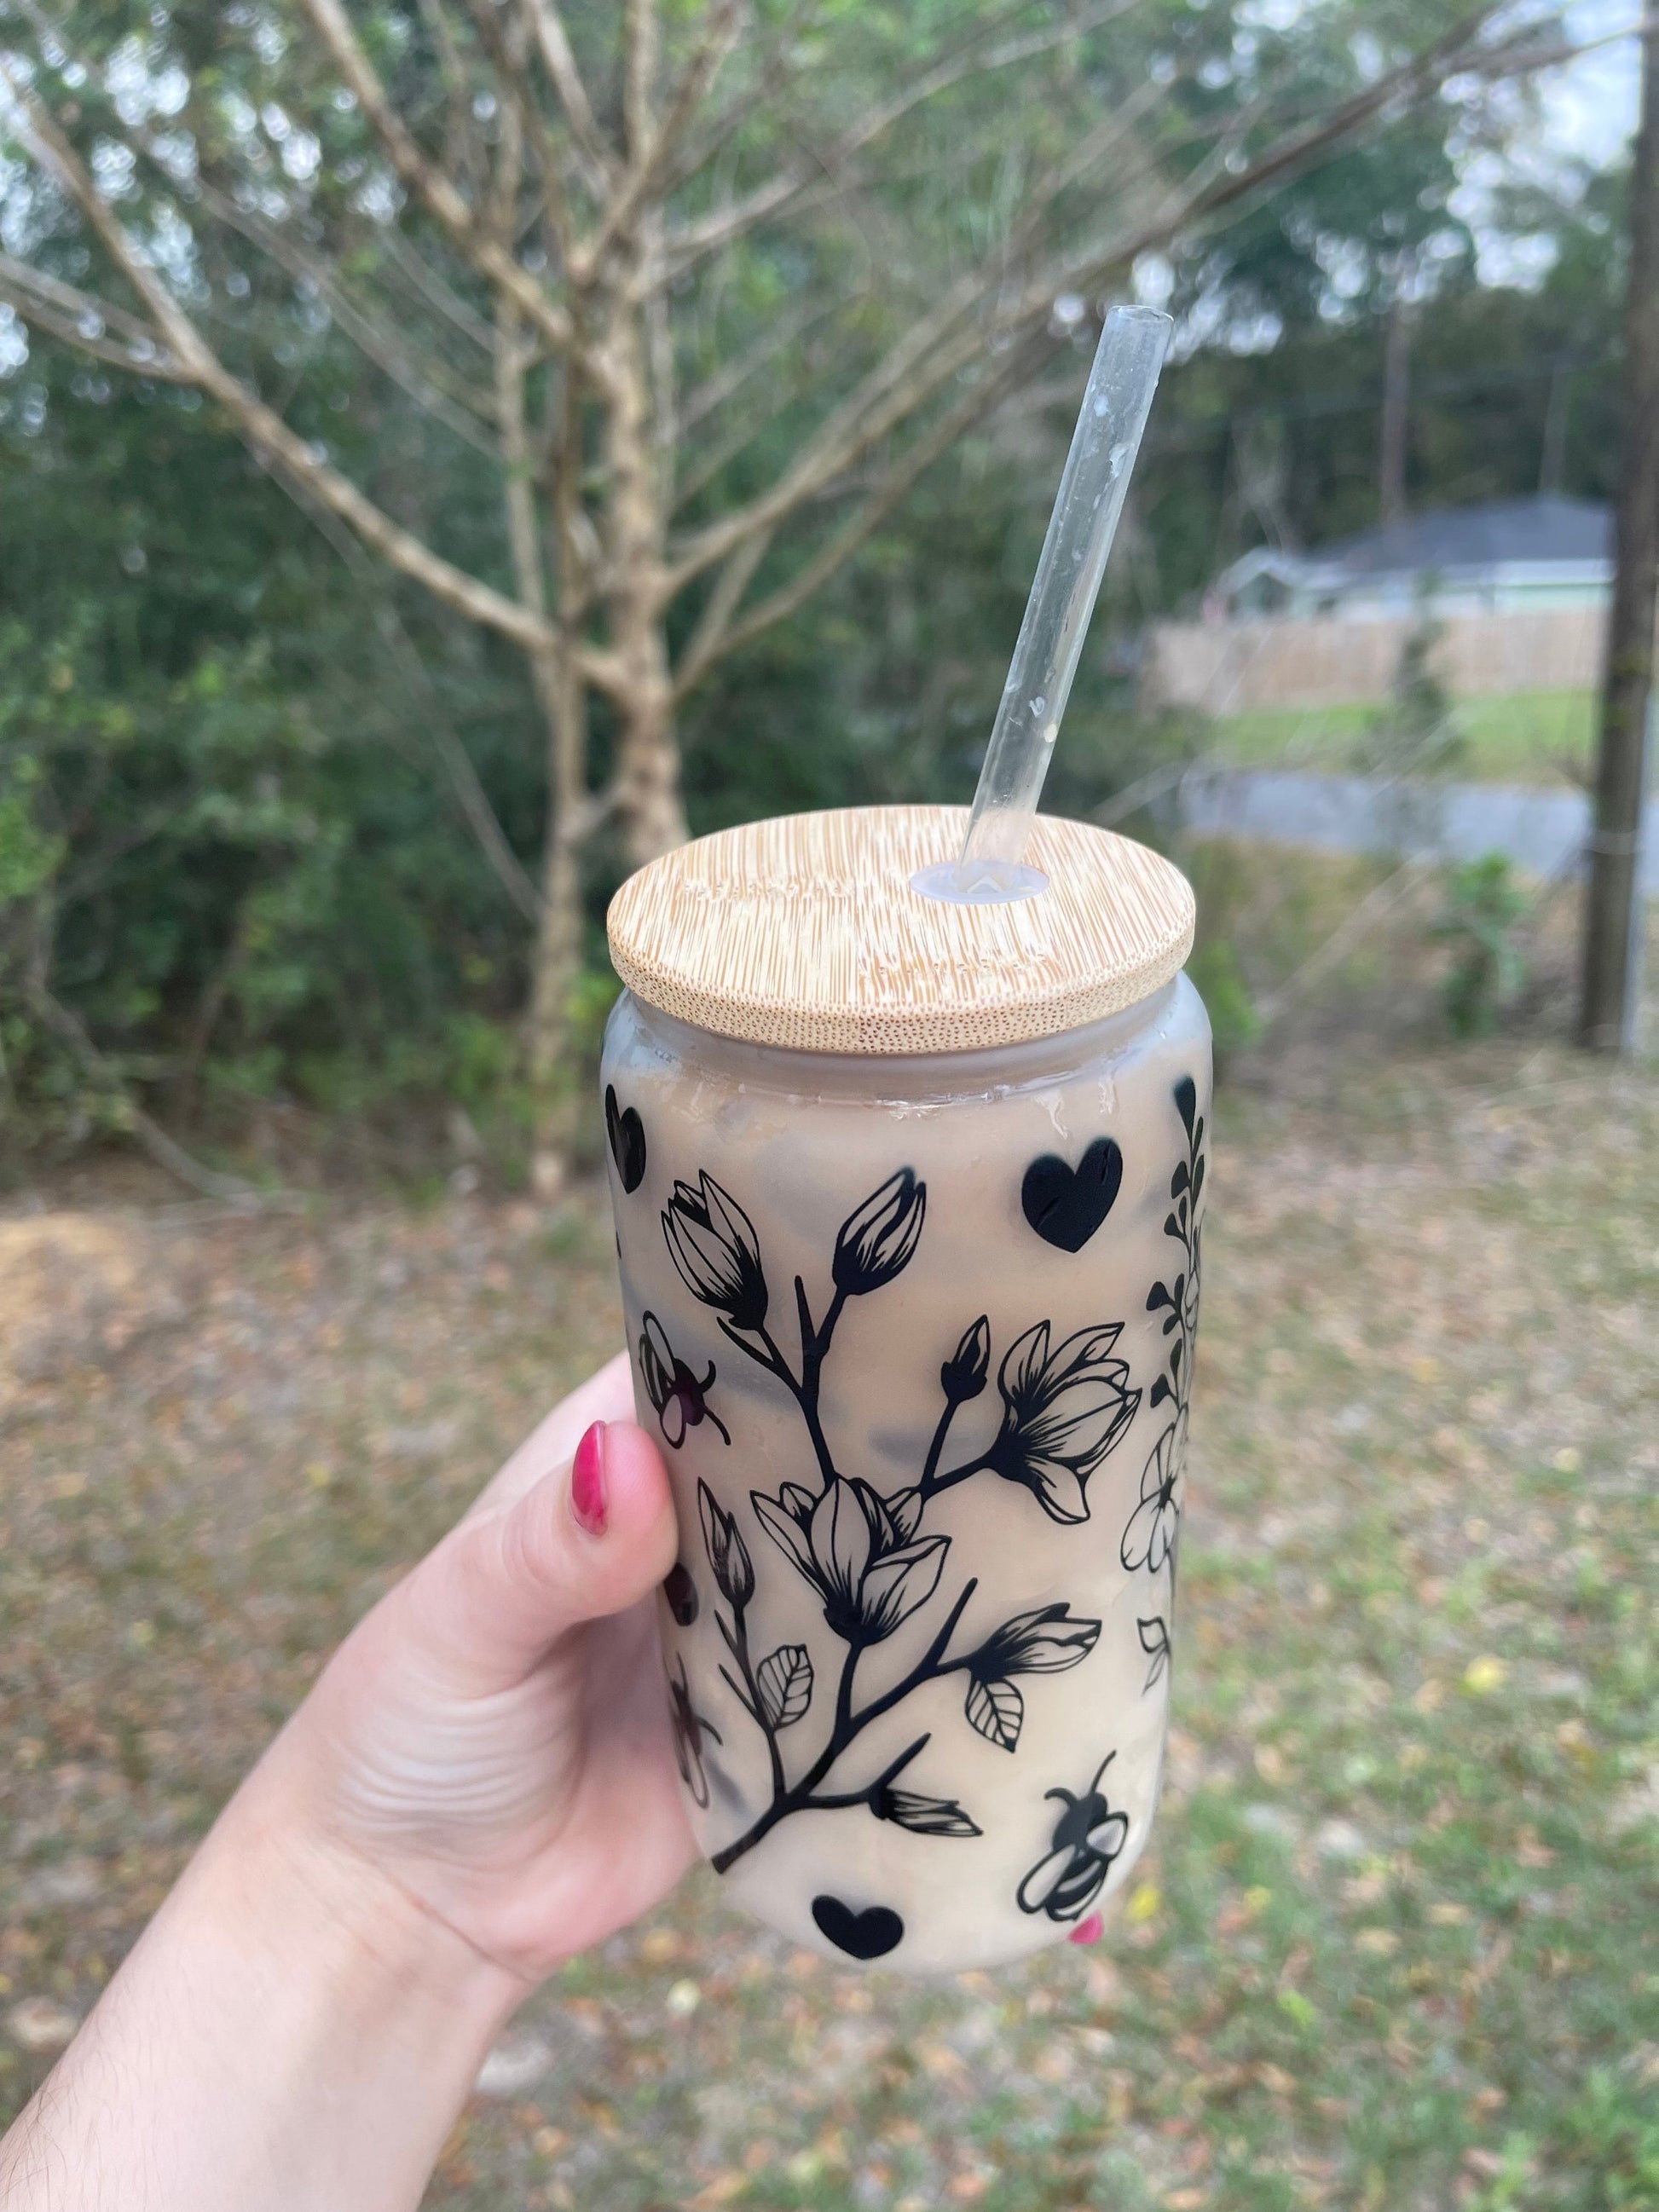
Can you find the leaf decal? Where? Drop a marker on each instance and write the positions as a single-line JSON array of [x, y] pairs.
[[924, 1816], [784, 1679], [996, 1709]]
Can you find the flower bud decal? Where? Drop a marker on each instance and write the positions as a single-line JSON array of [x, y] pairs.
[[1046, 1641], [876, 1241], [962, 1376], [728, 1555], [712, 1241]]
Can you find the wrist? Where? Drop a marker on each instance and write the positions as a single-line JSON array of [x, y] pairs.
[[274, 1881], [291, 2033]]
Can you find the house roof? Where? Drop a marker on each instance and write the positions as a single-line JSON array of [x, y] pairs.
[[1546, 530], [1544, 533]]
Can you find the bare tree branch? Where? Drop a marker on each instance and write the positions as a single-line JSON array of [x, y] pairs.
[[925, 358], [647, 170], [68, 1025], [430, 384], [718, 636], [779, 194], [781, 330], [462, 149], [425, 280], [936, 348], [773, 70], [504, 38], [263, 429], [62, 312], [553, 41], [704, 645], [436, 193], [432, 720]]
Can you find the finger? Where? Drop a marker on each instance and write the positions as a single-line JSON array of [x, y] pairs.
[[606, 1396], [583, 1542]]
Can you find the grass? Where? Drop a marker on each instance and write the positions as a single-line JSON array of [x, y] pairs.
[[1534, 738], [1392, 1945]]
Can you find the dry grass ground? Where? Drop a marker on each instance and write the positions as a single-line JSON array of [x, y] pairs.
[[1394, 1946]]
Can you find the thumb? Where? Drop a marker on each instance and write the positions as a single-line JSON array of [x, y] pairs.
[[587, 1540]]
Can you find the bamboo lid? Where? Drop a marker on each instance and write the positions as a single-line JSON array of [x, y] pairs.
[[804, 931]]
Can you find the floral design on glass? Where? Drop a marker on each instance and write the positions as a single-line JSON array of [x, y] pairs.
[[689, 1729], [679, 1400], [1089, 1836], [869, 1561], [1150, 1539], [1154, 1634]]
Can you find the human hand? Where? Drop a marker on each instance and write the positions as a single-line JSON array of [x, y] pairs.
[[493, 1738], [481, 1782]]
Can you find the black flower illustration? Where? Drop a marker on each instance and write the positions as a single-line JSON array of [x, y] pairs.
[[728, 1555], [923, 1816], [876, 1243], [963, 1373], [680, 1400], [1046, 1641], [1088, 1837], [1063, 1408], [1062, 1413], [689, 1729], [712, 1241], [1154, 1634], [1149, 1537], [858, 1556]]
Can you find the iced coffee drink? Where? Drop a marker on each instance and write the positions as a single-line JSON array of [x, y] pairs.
[[909, 1207]]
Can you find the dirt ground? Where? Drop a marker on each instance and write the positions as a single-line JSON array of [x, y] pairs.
[[1394, 1944]]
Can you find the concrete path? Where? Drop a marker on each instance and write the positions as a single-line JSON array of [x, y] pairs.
[[1541, 832]]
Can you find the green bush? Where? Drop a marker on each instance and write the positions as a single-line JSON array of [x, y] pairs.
[[1483, 909]]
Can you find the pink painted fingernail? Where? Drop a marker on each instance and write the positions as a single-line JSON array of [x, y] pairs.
[[588, 1480], [1089, 1930]]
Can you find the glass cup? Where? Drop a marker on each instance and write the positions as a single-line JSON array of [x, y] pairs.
[[916, 1334]]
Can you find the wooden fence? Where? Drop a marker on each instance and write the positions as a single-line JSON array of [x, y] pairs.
[[1228, 667]]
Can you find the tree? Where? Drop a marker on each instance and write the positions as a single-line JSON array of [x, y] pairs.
[[708, 289], [1613, 911]]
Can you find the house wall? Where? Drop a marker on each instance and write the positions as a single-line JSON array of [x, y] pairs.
[[1228, 667]]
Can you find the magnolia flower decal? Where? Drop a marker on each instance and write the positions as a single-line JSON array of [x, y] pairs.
[[1063, 1412], [856, 1554], [868, 1559]]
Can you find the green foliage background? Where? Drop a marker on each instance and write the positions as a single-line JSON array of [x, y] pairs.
[[227, 835]]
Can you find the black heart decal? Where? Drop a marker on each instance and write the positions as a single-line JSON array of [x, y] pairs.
[[627, 1134], [1066, 1204], [867, 1934], [682, 1594]]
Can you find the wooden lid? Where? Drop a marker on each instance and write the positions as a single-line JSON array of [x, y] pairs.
[[805, 931]]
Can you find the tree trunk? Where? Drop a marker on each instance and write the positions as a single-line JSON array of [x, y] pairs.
[[648, 807], [554, 1078], [1612, 908], [1396, 411]]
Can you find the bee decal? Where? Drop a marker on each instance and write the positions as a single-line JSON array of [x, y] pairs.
[[689, 1729], [1088, 1837], [679, 1399]]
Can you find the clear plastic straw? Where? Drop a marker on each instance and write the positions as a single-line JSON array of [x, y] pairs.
[[1117, 403]]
